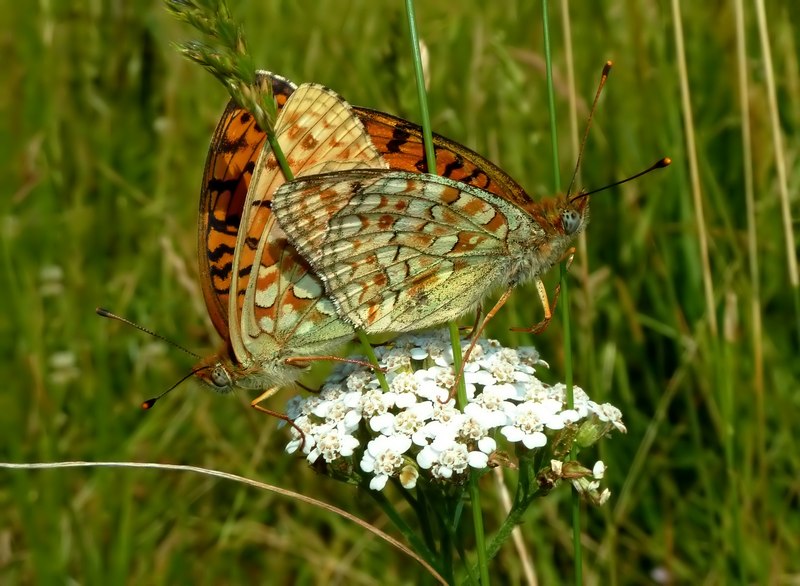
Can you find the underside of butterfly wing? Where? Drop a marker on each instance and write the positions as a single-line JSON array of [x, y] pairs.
[[234, 149], [279, 303], [402, 251]]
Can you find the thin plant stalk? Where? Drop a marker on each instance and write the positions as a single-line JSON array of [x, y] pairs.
[[780, 160], [419, 73], [694, 172], [227, 58], [726, 368], [752, 241], [367, 348], [575, 500], [430, 157], [575, 506]]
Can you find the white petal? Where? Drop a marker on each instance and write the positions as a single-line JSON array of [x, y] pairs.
[[399, 443], [480, 377], [378, 482], [352, 399], [426, 457], [367, 463], [487, 445], [405, 400], [599, 469], [419, 438], [444, 441], [418, 354], [554, 422], [569, 416], [322, 409], [477, 459], [512, 434], [351, 420], [534, 440], [381, 423], [349, 443]]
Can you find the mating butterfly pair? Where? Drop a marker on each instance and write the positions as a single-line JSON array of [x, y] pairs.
[[361, 239]]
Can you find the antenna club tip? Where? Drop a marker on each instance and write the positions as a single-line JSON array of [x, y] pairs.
[[607, 67], [102, 311], [147, 405], [666, 162]]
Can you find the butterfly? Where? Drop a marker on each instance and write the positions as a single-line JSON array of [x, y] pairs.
[[274, 355], [236, 145], [260, 294], [401, 251]]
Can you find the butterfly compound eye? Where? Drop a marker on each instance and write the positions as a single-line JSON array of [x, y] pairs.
[[220, 378], [570, 221]]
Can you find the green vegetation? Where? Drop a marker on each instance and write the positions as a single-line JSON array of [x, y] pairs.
[[103, 149]]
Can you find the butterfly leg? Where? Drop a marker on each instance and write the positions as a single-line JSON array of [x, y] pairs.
[[475, 335], [476, 323], [549, 309], [255, 404], [296, 359]]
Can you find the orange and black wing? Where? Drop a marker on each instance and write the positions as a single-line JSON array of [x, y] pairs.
[[401, 145], [231, 160]]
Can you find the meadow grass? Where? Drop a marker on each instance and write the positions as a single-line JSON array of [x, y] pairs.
[[103, 150]]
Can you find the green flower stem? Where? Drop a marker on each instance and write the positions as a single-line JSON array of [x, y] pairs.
[[455, 341], [279, 156], [455, 344], [477, 522], [576, 510], [427, 133], [367, 347]]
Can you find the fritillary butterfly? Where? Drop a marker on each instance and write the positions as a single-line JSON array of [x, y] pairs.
[[401, 251], [264, 302], [236, 145]]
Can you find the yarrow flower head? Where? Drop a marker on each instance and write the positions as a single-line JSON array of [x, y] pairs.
[[414, 430]]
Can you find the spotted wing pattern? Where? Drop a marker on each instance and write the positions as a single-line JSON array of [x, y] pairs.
[[279, 303], [402, 251], [235, 146], [275, 307]]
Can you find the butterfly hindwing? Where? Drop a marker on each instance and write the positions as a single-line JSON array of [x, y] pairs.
[[400, 251]]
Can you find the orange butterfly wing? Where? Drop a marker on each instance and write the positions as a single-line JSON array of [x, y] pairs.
[[231, 160], [400, 143]]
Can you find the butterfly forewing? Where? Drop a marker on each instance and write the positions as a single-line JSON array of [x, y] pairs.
[[235, 146], [400, 143], [401, 251], [279, 303]]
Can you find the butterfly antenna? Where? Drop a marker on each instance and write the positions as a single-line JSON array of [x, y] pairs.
[[105, 313], [150, 402], [660, 164], [603, 78]]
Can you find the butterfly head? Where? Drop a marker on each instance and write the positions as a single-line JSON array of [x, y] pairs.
[[573, 214], [562, 217], [216, 373]]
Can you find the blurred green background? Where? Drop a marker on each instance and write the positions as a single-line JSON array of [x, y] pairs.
[[102, 143]]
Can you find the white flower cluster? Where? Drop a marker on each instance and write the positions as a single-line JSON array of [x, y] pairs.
[[414, 427]]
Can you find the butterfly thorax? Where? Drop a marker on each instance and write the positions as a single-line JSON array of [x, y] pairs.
[[561, 220]]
